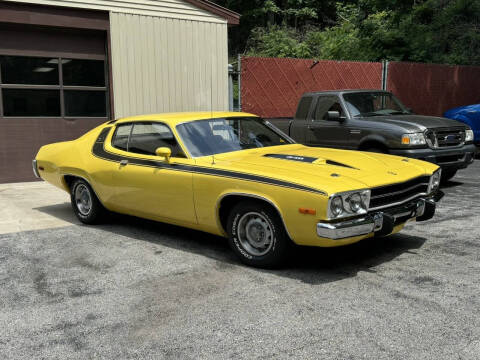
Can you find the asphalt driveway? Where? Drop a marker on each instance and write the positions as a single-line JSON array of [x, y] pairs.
[[137, 289]]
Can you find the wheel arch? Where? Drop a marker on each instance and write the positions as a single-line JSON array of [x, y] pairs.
[[68, 179], [227, 201], [372, 142]]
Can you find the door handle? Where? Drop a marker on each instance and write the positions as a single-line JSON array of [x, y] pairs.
[[123, 162]]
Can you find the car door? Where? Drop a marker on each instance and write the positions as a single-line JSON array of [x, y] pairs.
[[148, 185], [323, 131]]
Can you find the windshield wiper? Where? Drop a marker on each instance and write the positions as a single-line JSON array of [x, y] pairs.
[[368, 114], [398, 113]]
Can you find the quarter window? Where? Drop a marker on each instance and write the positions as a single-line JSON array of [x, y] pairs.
[[120, 138], [52, 87]]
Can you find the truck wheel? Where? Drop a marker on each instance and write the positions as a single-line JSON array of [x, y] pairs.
[[85, 203], [448, 174], [257, 235]]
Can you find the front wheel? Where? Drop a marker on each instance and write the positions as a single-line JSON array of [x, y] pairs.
[[85, 203], [257, 235]]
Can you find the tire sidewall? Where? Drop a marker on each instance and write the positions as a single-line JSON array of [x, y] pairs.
[[92, 216], [276, 253]]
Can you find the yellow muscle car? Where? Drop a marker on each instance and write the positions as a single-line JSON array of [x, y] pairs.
[[236, 175]]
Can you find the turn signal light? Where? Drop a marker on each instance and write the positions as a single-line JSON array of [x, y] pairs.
[[307, 211], [405, 140]]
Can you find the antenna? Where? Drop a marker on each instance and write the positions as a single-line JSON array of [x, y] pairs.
[[211, 99], [211, 89]]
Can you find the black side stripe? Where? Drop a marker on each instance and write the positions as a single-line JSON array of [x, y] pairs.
[[100, 152]]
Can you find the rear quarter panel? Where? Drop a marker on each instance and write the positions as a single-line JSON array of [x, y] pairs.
[[75, 158]]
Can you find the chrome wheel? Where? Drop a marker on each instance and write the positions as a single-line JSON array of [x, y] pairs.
[[255, 233], [83, 199]]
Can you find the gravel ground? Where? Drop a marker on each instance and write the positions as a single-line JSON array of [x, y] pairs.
[[136, 289]]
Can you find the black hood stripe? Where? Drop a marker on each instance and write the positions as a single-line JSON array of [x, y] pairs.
[[306, 159], [100, 152], [292, 157]]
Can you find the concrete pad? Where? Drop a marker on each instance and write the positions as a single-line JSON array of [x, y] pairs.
[[33, 206], [136, 289]]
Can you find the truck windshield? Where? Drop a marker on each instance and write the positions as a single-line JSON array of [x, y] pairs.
[[365, 104], [216, 136]]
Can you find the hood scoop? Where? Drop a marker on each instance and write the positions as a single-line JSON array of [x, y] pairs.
[[308, 159]]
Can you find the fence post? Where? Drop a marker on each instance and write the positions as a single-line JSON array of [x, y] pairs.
[[230, 87], [384, 74], [239, 64]]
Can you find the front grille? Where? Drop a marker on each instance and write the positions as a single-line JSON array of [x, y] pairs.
[[445, 137], [389, 195]]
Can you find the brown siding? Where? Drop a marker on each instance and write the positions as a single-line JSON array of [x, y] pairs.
[[20, 140], [23, 31], [51, 15]]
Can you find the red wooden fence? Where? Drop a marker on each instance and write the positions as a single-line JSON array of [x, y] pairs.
[[431, 89], [271, 87]]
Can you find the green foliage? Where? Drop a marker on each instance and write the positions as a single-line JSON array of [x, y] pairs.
[[276, 41], [439, 31]]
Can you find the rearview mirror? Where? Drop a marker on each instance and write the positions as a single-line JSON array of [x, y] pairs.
[[164, 152]]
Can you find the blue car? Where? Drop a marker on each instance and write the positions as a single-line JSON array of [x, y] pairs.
[[469, 115]]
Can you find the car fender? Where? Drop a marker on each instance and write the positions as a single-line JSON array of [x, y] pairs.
[[246, 194]]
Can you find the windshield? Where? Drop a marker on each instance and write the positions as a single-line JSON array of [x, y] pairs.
[[367, 104], [216, 136]]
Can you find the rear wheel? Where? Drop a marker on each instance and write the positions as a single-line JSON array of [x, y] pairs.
[[85, 203], [448, 174], [257, 235]]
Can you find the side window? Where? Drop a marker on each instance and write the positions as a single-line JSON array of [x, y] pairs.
[[120, 138], [326, 104], [303, 108], [147, 137]]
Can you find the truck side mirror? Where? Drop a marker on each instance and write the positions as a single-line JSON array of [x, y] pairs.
[[334, 116]]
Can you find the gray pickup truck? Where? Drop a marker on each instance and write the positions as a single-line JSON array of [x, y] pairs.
[[375, 120]]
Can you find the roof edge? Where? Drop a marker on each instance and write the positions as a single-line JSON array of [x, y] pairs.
[[232, 17]]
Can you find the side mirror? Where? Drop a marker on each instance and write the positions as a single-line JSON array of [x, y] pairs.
[[334, 116], [164, 152]]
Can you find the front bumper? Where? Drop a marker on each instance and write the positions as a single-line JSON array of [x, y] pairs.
[[379, 222], [35, 169], [458, 157]]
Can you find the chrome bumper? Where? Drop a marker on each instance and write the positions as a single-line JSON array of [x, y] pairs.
[[35, 169], [381, 222]]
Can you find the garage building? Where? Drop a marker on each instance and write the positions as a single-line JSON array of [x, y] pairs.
[[69, 65]]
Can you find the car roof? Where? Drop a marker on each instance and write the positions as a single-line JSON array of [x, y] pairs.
[[344, 91], [179, 117]]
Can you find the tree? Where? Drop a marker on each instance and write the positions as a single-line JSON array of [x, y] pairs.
[[439, 31]]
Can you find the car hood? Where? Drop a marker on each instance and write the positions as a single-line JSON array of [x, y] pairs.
[[326, 170], [413, 123]]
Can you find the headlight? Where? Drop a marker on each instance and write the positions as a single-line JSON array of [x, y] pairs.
[[468, 135], [435, 181], [336, 206], [413, 139], [348, 204]]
